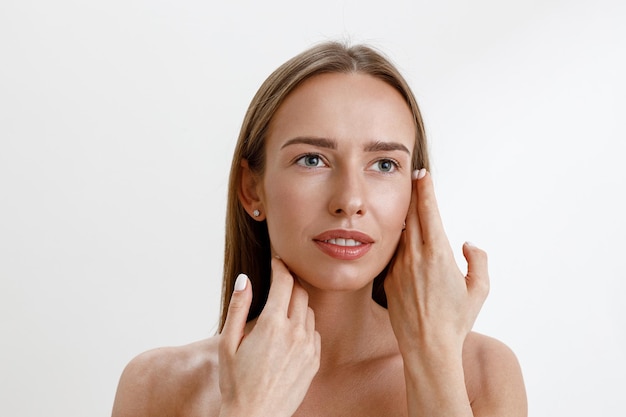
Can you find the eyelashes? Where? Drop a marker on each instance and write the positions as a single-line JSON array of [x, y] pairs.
[[315, 160], [311, 160], [386, 165]]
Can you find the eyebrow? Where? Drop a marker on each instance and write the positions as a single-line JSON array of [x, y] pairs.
[[332, 144], [386, 146], [319, 142]]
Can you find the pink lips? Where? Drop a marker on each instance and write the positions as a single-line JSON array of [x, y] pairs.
[[344, 244]]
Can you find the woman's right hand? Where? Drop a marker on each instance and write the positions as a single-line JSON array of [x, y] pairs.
[[268, 371]]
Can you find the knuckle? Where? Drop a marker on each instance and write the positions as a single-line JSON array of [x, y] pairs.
[[300, 335], [434, 254], [270, 323], [484, 286], [310, 350]]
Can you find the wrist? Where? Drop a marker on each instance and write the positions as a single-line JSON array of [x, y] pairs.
[[433, 358], [436, 348], [231, 410], [435, 383], [433, 362]]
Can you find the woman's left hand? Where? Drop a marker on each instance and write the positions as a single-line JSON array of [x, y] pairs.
[[432, 304]]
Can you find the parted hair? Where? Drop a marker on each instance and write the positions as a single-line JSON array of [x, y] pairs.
[[247, 243]]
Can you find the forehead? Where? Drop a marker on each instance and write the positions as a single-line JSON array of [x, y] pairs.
[[344, 107]]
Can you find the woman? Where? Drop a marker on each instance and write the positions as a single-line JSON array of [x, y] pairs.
[[354, 305]]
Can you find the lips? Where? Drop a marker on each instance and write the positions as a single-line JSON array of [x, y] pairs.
[[344, 244]]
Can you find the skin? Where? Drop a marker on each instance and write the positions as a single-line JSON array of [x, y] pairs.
[[322, 346]]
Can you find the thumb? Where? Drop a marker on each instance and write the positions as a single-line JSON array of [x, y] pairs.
[[477, 272], [233, 330]]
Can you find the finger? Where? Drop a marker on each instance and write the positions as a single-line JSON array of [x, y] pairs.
[[318, 346], [310, 319], [477, 269], [299, 303], [412, 234], [310, 327], [237, 316], [279, 296], [430, 222]]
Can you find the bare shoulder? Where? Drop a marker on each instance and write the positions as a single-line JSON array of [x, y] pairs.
[[170, 381], [493, 378]]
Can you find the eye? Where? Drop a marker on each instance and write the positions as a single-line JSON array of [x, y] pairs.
[[310, 161], [385, 165]]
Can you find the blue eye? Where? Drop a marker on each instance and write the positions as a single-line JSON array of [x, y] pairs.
[[310, 161], [385, 165]]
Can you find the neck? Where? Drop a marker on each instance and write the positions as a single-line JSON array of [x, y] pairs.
[[352, 326]]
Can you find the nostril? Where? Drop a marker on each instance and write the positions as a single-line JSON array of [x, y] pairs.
[[341, 211]]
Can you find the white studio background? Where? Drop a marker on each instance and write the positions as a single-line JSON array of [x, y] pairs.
[[117, 122]]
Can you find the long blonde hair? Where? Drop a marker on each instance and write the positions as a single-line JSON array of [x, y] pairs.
[[247, 246]]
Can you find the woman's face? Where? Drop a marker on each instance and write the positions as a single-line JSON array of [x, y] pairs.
[[337, 181]]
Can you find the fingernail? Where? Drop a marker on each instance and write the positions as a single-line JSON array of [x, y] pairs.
[[418, 174], [241, 282], [468, 243]]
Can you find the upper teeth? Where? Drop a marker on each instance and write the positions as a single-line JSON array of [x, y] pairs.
[[343, 242]]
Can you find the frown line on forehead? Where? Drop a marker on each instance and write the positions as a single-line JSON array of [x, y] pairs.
[[374, 146]]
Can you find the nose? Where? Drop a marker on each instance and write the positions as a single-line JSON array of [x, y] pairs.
[[347, 197]]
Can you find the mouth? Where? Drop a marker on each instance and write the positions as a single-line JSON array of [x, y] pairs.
[[344, 244]]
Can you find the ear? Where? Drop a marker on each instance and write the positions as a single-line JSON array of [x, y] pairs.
[[249, 192]]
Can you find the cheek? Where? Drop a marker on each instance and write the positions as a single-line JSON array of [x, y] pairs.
[[289, 207], [393, 203], [282, 197], [392, 211]]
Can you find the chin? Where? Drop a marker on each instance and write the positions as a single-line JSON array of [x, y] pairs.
[[339, 277]]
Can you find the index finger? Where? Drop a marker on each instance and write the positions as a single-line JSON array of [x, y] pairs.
[[431, 226], [412, 235], [281, 288]]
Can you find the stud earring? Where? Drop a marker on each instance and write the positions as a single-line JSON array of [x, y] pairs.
[[256, 213]]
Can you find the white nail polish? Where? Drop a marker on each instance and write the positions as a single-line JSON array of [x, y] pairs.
[[418, 174], [241, 282]]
